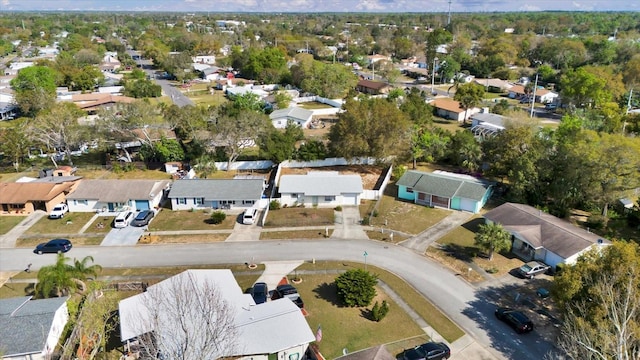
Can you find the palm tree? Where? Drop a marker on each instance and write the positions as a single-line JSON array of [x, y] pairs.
[[493, 237], [61, 279]]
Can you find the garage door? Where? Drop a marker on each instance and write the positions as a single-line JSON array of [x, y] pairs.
[[349, 199], [468, 205], [142, 204]]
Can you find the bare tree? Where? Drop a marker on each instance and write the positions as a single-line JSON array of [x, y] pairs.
[[606, 324], [185, 318], [239, 130]]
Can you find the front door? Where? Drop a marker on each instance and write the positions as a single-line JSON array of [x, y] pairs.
[[111, 207]]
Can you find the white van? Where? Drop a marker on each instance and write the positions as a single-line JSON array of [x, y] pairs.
[[123, 219], [249, 216]]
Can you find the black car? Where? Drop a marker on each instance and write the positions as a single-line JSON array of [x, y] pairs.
[[143, 218], [428, 351], [289, 292], [53, 246], [516, 319], [259, 292]]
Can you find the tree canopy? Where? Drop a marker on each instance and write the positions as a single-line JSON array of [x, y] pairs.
[[35, 89]]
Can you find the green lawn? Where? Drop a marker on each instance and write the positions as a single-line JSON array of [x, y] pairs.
[[8, 222], [70, 224], [350, 328], [405, 216], [76, 240], [169, 220], [312, 105], [429, 312], [294, 234], [300, 216]]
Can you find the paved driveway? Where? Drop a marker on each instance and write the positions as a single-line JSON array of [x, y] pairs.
[[123, 236]]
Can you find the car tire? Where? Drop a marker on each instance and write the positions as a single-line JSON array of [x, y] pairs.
[[59, 251], [39, 252], [61, 216]]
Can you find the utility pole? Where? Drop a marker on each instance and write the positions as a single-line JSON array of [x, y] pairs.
[[624, 124], [433, 73], [533, 99], [449, 17]]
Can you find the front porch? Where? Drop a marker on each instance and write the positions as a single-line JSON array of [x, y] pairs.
[[525, 251]]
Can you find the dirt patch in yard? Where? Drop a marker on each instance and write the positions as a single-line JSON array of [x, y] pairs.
[[369, 174]]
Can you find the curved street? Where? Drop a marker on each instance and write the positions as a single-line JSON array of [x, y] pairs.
[[455, 297]]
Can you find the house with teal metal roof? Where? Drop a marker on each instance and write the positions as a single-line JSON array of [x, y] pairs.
[[444, 189]]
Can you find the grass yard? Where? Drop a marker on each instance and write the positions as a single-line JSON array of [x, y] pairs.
[[449, 125], [385, 236], [8, 222], [350, 328], [137, 175], [168, 220], [294, 234], [81, 239], [312, 105], [404, 216], [17, 289], [457, 250], [182, 239], [70, 224], [300, 216], [429, 312]]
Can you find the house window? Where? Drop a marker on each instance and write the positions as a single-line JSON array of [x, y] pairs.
[[248, 202], [294, 196], [182, 201], [295, 356], [329, 198], [198, 201], [410, 190], [80, 202], [228, 202]]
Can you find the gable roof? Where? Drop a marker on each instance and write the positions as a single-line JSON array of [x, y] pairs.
[[448, 105], [262, 329], [445, 184], [540, 229], [26, 323], [117, 190], [217, 189], [321, 183], [23, 192], [375, 85], [292, 112]]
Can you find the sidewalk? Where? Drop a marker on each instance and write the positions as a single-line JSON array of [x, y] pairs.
[[422, 241], [9, 239]]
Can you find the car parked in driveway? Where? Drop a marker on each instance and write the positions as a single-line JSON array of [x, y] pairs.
[[260, 292], [58, 211], [532, 268], [143, 218], [54, 246], [428, 351], [516, 319], [289, 292]]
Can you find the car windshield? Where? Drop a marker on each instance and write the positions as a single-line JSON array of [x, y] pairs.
[[58, 207], [141, 216], [525, 267]]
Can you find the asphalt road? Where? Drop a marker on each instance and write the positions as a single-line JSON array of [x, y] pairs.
[[169, 90], [469, 308]]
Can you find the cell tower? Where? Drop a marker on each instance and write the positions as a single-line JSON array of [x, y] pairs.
[[449, 17]]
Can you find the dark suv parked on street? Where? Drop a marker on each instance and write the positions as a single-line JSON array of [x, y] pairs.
[[516, 319]]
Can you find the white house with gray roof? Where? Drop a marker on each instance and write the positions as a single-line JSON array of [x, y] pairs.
[[117, 195], [275, 329], [299, 116], [445, 189], [216, 193], [485, 124], [31, 329], [320, 188]]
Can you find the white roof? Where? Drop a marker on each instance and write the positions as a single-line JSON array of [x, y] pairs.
[[321, 183], [292, 112], [262, 329]]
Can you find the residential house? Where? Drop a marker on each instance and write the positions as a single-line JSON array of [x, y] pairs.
[[451, 109], [320, 188], [543, 96], [297, 115], [110, 63], [537, 235], [243, 90], [204, 59], [494, 83], [92, 102], [444, 189], [31, 329], [275, 329], [485, 124], [211, 73], [39, 194], [372, 87], [372, 59], [117, 195], [215, 193]]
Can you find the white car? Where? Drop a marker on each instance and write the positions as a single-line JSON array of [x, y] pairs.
[[249, 216], [59, 211]]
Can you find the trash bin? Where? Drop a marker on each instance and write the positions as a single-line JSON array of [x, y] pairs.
[[543, 293]]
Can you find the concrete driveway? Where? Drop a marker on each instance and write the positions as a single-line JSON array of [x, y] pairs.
[[123, 236]]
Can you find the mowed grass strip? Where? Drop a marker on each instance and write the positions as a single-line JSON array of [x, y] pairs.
[[76, 240], [300, 216], [423, 307], [350, 328], [182, 239], [294, 234], [70, 224], [9, 222], [169, 220]]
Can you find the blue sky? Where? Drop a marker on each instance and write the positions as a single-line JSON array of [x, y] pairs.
[[320, 5]]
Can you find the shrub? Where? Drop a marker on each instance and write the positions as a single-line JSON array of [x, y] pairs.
[[366, 220], [274, 205], [398, 171], [338, 208], [375, 213], [379, 311], [596, 222], [356, 287], [217, 217]]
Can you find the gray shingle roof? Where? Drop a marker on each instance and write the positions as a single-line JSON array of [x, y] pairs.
[[217, 189], [292, 112], [26, 323], [321, 183], [117, 190], [446, 185], [543, 230]]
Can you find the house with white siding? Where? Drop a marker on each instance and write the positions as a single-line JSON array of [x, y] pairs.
[[297, 115], [215, 193], [117, 195], [320, 188]]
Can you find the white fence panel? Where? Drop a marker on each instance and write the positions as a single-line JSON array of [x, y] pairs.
[[245, 165], [329, 162]]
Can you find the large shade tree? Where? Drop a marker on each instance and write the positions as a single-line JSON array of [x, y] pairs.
[[469, 95], [35, 89], [493, 238]]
